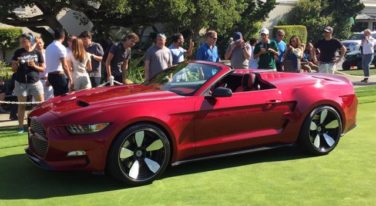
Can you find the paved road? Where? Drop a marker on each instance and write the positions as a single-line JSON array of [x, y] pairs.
[[5, 122]]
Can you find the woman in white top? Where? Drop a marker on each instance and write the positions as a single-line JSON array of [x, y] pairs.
[[368, 50], [253, 63], [80, 65], [48, 91]]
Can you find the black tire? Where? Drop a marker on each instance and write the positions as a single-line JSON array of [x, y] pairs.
[[321, 132], [138, 161], [346, 65]]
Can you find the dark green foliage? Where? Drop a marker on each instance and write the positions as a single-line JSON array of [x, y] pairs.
[[9, 39], [291, 30], [316, 14], [342, 11], [307, 12]]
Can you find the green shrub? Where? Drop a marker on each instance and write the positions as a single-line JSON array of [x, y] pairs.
[[5, 71], [291, 30], [136, 70], [9, 38]]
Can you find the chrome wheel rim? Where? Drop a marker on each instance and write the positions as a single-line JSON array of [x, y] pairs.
[[325, 129], [142, 154]]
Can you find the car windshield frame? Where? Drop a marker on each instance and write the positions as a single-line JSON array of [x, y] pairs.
[[172, 79]]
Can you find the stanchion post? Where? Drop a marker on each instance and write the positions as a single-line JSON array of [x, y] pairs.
[[112, 80]]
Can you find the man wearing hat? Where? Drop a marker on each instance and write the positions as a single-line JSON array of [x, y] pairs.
[[239, 52], [327, 48], [267, 51]]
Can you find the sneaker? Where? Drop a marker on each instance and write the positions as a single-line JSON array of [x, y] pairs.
[[13, 117], [20, 130], [365, 80]]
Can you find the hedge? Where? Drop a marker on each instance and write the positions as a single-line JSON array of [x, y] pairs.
[[9, 38], [291, 30]]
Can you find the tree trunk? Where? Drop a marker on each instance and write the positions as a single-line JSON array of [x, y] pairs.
[[45, 34], [3, 50]]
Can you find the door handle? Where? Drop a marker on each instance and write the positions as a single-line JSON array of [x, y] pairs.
[[274, 101], [271, 103]]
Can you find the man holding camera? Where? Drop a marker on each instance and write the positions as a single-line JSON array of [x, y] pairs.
[[267, 51], [239, 52], [27, 63]]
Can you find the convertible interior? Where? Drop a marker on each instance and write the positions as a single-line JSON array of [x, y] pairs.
[[242, 82]]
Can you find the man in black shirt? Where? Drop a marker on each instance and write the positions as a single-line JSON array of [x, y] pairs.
[[27, 63], [328, 48], [119, 57]]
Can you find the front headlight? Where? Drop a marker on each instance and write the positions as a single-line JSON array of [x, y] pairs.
[[86, 129]]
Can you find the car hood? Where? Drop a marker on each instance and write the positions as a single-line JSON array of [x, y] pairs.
[[124, 94], [102, 97]]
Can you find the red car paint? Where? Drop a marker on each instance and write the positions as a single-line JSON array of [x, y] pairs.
[[197, 126]]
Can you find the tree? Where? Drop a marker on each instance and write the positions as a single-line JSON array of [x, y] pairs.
[[48, 11], [251, 18], [316, 14], [178, 15], [8, 39], [308, 13], [342, 11]]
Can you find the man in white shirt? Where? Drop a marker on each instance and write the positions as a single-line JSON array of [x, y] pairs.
[[59, 75]]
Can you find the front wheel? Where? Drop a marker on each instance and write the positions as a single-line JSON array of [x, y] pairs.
[[139, 155], [321, 131]]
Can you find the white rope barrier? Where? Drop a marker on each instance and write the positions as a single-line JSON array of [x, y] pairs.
[[22, 103], [112, 82]]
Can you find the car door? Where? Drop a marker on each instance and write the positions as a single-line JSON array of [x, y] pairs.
[[245, 119]]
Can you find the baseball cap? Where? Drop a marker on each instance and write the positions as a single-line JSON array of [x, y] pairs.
[[328, 29], [237, 36], [264, 31]]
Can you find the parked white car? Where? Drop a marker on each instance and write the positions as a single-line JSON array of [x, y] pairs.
[[353, 54]]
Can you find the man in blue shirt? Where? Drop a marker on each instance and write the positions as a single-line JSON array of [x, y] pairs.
[[177, 51], [281, 48], [209, 51]]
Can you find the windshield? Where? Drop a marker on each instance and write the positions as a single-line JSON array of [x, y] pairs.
[[360, 36], [184, 79]]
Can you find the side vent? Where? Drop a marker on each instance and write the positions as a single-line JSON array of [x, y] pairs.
[[82, 103]]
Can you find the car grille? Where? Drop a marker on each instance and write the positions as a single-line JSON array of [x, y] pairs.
[[38, 139]]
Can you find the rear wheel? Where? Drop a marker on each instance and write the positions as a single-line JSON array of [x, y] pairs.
[[139, 155], [346, 65], [321, 131]]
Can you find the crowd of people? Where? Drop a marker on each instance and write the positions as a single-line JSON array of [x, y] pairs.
[[56, 70]]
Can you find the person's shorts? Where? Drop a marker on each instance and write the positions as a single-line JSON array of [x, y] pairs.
[[23, 89], [327, 68]]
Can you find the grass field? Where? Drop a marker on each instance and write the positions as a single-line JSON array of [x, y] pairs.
[[280, 177], [359, 72]]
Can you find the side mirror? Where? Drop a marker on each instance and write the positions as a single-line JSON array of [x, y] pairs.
[[222, 92]]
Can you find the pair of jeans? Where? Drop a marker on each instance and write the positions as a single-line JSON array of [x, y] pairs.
[[366, 62], [119, 78], [59, 83], [95, 81]]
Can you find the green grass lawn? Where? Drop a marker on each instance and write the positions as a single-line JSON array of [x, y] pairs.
[[347, 176], [359, 72]]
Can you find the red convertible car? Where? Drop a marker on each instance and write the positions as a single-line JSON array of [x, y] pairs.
[[189, 112]]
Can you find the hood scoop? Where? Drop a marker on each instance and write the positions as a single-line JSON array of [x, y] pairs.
[[82, 103]]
